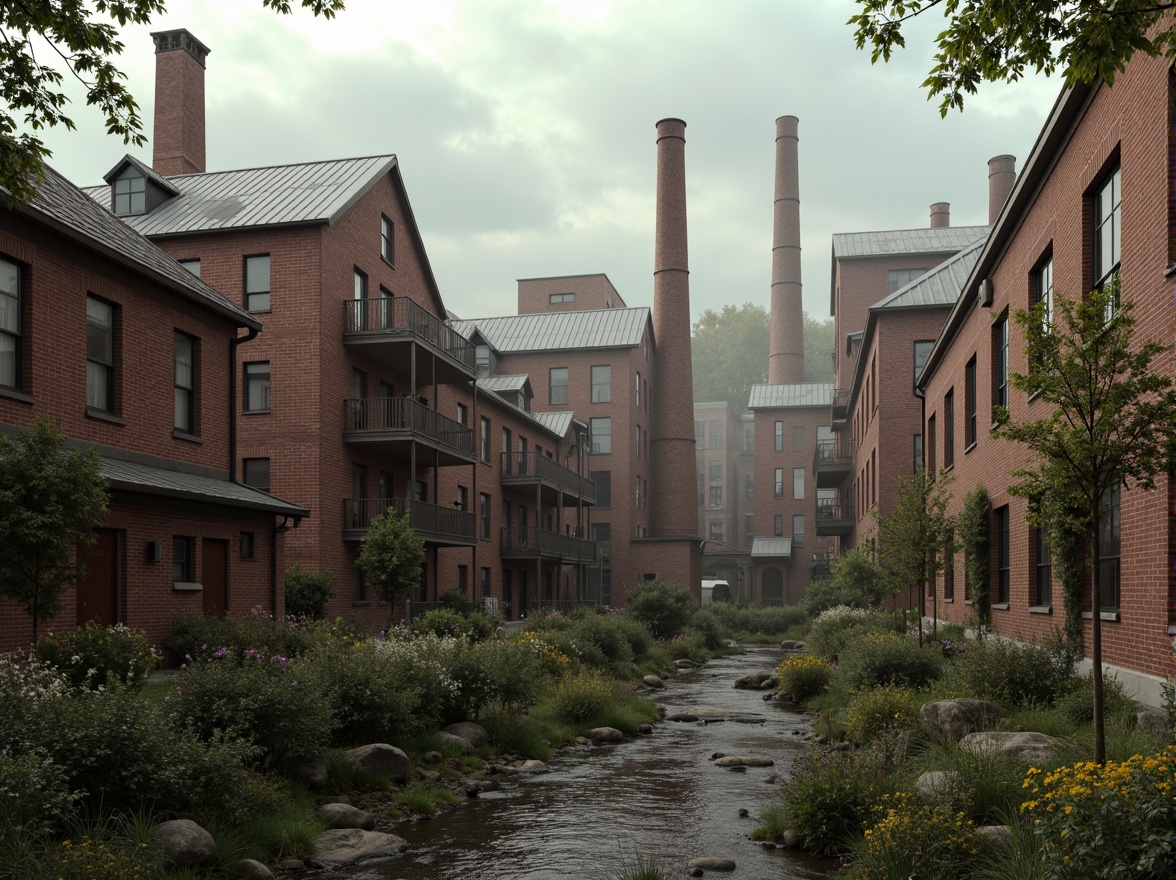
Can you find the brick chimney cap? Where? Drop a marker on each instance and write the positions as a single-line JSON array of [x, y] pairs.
[[180, 38], [1003, 158], [662, 122]]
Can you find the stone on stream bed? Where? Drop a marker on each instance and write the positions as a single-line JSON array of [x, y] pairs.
[[744, 761], [345, 816], [710, 863], [653, 681], [605, 735], [348, 845]]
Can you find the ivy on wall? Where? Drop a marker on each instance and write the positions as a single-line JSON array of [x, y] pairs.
[[974, 539]]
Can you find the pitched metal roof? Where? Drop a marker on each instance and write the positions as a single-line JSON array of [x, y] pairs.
[[503, 383], [557, 422], [939, 287], [546, 331], [847, 245], [70, 212], [791, 394], [771, 547], [310, 192], [145, 479]]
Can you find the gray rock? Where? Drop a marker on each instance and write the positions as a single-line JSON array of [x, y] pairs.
[[769, 684], [938, 785], [1152, 719], [684, 663], [453, 741], [1029, 747], [792, 645], [791, 839], [645, 729], [379, 758], [475, 733], [952, 720], [582, 741], [711, 863], [744, 761], [185, 843], [682, 716], [249, 869], [653, 681], [346, 846], [292, 866], [471, 789], [311, 772], [996, 836], [605, 735], [433, 757], [345, 816], [752, 681], [533, 766], [430, 776]]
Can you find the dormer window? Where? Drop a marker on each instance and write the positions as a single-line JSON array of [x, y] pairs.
[[129, 193]]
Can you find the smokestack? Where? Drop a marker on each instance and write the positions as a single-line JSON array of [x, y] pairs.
[[673, 501], [1002, 174], [786, 350], [178, 137], [940, 215]]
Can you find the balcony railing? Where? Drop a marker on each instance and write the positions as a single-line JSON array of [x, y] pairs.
[[399, 419], [835, 517], [383, 327], [441, 525], [528, 542], [840, 406], [821, 563], [832, 461], [531, 468]]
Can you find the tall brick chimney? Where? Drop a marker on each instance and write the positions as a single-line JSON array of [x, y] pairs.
[[786, 346], [940, 215], [674, 512], [1002, 174], [179, 103]]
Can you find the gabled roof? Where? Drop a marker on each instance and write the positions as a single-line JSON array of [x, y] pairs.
[[928, 240], [130, 476], [791, 394], [558, 422], [546, 331], [939, 287], [66, 209], [504, 383], [147, 171], [309, 192], [771, 548]]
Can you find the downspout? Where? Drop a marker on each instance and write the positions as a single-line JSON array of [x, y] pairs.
[[923, 464], [274, 562], [233, 343]]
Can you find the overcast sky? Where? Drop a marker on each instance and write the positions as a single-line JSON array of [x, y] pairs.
[[525, 128]]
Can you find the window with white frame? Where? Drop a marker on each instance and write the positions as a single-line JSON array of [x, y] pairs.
[[257, 386], [99, 354], [184, 379]]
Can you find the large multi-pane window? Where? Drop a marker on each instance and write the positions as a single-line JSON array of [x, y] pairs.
[[949, 428], [1043, 569], [600, 430], [918, 451], [257, 283], [637, 391], [1109, 548], [716, 530], [778, 437], [778, 491], [798, 530], [1000, 361], [1002, 555], [1107, 227], [749, 485], [798, 484], [484, 515], [11, 338], [949, 567], [798, 438], [716, 497], [485, 439], [99, 354], [778, 525], [897, 278], [699, 436], [922, 352], [130, 193], [1043, 292], [184, 381], [183, 559], [749, 526], [601, 384], [716, 435], [255, 472], [970, 402], [557, 386], [930, 448]]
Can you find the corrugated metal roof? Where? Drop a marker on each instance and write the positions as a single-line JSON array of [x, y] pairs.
[[771, 547], [312, 192], [792, 394], [556, 422], [503, 383], [136, 477], [597, 328], [939, 287], [67, 208], [944, 239]]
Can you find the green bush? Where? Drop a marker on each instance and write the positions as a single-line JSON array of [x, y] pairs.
[[855, 582], [912, 841], [635, 632], [35, 798], [95, 858], [1014, 673], [1076, 705], [770, 621], [708, 630], [93, 655], [665, 607], [803, 676], [599, 630], [582, 696], [888, 659], [986, 787], [872, 711], [837, 627], [307, 592], [371, 700], [449, 622]]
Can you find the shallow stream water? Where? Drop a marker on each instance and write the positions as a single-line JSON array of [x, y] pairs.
[[601, 807]]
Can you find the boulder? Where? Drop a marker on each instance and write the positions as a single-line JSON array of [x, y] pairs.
[[791, 839], [379, 758], [1029, 747], [605, 735], [684, 663], [653, 681], [792, 645], [952, 720], [769, 684], [292, 866], [345, 816], [645, 729], [346, 846], [311, 772], [752, 681], [453, 741], [996, 836], [937, 785], [250, 869], [711, 863], [185, 843], [532, 766], [433, 757], [1152, 719], [744, 761], [475, 733], [682, 716]]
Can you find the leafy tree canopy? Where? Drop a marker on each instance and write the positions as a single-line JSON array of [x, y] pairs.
[[390, 557], [998, 40], [82, 43]]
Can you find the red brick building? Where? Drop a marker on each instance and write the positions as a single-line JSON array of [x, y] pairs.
[[132, 354]]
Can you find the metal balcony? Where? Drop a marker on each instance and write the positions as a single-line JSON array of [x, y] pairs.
[[532, 543], [435, 524], [835, 518], [840, 412], [832, 462], [392, 424], [821, 564], [531, 469], [401, 334]]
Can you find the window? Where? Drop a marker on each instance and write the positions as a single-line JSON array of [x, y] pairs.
[[257, 387], [778, 491], [749, 526], [1000, 361], [949, 567], [1106, 233], [798, 530], [248, 546], [601, 384], [485, 446], [358, 587], [485, 582], [716, 473], [699, 434], [638, 482], [557, 298], [255, 472], [506, 448], [257, 283], [749, 485], [463, 579], [183, 559], [1043, 292], [778, 443], [359, 291], [420, 490], [716, 435], [185, 383], [931, 448], [482, 359], [192, 266], [484, 515], [918, 451], [716, 530], [11, 340], [716, 497], [949, 428], [1043, 571], [637, 392], [798, 438], [897, 278], [637, 440], [1002, 555], [970, 402], [600, 430], [1109, 549], [778, 525], [130, 193], [463, 498], [99, 354], [557, 378], [463, 414], [387, 239], [749, 437], [798, 484], [359, 495], [922, 352]]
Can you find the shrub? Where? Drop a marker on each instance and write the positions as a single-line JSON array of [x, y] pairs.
[[34, 793], [665, 607], [371, 700], [1015, 673], [553, 661], [634, 631], [855, 582], [422, 800], [582, 696], [94, 654], [307, 592], [1130, 803], [803, 676], [455, 600], [448, 622], [836, 627], [756, 620], [986, 786], [888, 659], [872, 711], [1076, 705], [912, 841], [707, 629], [600, 631], [89, 858]]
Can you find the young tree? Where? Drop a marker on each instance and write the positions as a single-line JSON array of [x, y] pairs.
[[390, 557], [994, 40], [914, 538], [1113, 423], [51, 500], [84, 42], [854, 581]]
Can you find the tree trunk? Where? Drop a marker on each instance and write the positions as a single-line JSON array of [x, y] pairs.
[[1096, 672]]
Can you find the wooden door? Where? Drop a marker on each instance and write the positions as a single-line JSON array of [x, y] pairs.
[[215, 576], [97, 590]]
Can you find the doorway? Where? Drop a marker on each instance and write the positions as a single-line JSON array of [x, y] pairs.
[[215, 576], [97, 590]]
